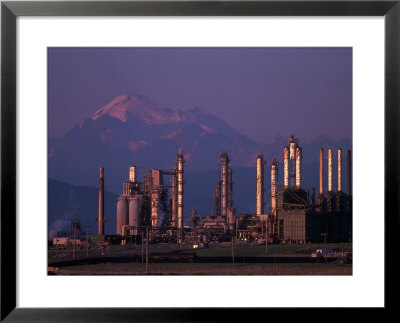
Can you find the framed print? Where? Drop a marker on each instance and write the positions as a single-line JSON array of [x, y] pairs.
[[183, 156]]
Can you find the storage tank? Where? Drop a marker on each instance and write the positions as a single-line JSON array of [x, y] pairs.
[[134, 211], [122, 214]]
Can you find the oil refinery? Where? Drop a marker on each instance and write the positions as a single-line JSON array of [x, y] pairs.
[[155, 207]]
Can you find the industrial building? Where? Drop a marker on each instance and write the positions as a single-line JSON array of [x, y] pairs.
[[295, 215], [299, 217], [147, 205]]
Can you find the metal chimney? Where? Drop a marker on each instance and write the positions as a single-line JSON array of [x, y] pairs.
[[292, 161], [260, 185], [274, 183], [132, 174], [339, 159], [298, 167], [100, 219], [179, 172], [349, 172], [174, 191], [321, 171], [224, 183], [329, 170], [286, 167], [230, 186]]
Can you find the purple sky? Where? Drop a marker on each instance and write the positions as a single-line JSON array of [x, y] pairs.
[[261, 92]]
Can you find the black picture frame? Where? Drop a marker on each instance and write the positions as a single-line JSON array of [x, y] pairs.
[[10, 10]]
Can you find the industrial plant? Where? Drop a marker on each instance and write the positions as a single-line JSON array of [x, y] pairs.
[[155, 207]]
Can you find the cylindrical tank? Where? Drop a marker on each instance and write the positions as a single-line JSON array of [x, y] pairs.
[[286, 167], [329, 170], [134, 211], [122, 214]]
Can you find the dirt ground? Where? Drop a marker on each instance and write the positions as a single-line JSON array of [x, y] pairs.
[[207, 269]]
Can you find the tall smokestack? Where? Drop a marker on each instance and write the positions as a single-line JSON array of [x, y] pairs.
[[174, 191], [132, 174], [100, 219], [286, 167], [224, 183], [339, 169], [230, 186], [349, 172], [329, 170], [180, 190], [321, 171], [274, 182], [298, 167], [292, 161], [260, 185]]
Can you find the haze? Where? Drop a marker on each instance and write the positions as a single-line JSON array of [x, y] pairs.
[[260, 92]]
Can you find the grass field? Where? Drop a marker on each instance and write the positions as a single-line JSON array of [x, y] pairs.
[[239, 268], [207, 269], [273, 250]]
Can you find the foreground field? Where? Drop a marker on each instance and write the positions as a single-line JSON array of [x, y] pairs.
[[215, 260], [207, 269]]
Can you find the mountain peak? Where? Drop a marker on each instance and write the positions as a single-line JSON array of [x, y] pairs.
[[123, 105]]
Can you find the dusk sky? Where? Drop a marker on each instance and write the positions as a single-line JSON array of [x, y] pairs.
[[260, 92]]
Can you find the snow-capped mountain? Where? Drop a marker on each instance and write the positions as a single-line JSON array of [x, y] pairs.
[[134, 130]]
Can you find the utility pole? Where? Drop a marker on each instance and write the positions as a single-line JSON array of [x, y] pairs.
[[233, 258], [73, 246], [142, 247], [147, 248], [266, 237], [87, 241]]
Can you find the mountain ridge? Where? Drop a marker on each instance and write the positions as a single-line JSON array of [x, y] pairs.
[[135, 130]]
